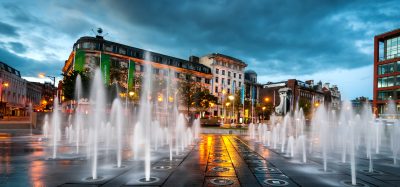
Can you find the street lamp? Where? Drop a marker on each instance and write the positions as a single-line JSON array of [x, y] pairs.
[[263, 109], [42, 75], [231, 98], [266, 99], [131, 93], [3, 85]]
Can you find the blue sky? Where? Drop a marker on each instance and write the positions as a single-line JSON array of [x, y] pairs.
[[330, 41]]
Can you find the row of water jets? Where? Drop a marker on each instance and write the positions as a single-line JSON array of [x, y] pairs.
[[99, 129], [343, 135]]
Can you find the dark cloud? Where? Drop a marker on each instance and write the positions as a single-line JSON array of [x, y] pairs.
[[30, 67], [8, 30], [273, 37], [295, 37], [17, 47]]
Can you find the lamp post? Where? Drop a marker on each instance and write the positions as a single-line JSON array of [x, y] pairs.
[[222, 101], [227, 105], [263, 114], [231, 98], [43, 75], [266, 99], [3, 85]]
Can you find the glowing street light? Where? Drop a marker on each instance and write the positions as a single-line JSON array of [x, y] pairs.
[[43, 75], [231, 98], [160, 98], [266, 99], [131, 93], [223, 92]]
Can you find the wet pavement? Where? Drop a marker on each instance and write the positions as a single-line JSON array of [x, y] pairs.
[[215, 160]]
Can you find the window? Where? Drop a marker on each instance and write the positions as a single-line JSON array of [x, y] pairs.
[[240, 84], [114, 49], [385, 95], [229, 91], [216, 89], [223, 72], [141, 68], [177, 75], [207, 81], [216, 71], [392, 48], [198, 79], [234, 75], [229, 73], [216, 79], [240, 76], [229, 81], [386, 82], [386, 68], [122, 51], [223, 81]]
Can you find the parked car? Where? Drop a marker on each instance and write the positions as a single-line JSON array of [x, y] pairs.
[[211, 121]]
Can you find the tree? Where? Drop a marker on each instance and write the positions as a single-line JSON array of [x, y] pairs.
[[69, 83], [187, 89], [306, 105], [203, 100]]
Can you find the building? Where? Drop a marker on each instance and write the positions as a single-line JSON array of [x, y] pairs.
[[12, 91], [251, 96], [285, 96], [358, 104], [34, 94], [47, 92], [386, 70], [123, 64], [228, 79]]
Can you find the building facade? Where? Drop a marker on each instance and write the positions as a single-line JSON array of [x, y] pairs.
[[228, 79], [386, 70], [12, 91], [123, 64], [251, 96], [34, 94], [287, 95]]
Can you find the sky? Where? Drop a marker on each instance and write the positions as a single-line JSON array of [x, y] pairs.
[[331, 41]]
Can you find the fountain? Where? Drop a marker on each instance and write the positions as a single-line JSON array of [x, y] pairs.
[[56, 121]]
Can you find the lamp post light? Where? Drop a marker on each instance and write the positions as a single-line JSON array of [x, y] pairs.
[[3, 85], [263, 116], [227, 105], [42, 75], [231, 98]]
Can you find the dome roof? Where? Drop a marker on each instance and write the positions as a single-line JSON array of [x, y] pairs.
[[250, 72]]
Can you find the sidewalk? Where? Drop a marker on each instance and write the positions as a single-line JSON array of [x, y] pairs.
[[13, 122]]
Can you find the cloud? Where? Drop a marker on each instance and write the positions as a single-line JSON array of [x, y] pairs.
[[30, 67], [8, 30], [17, 47], [275, 38]]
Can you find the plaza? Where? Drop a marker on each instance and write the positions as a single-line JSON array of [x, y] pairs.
[[199, 93], [219, 159]]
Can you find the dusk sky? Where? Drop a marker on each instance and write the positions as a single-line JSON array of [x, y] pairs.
[[331, 41]]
